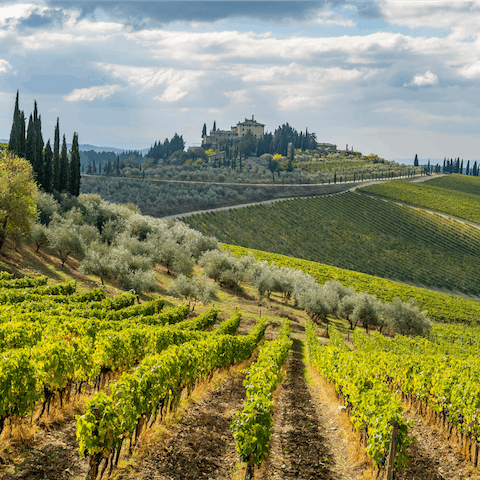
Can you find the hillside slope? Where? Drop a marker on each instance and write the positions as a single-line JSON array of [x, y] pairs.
[[356, 232]]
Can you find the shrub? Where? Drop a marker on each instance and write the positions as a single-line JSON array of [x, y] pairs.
[[222, 267], [406, 318]]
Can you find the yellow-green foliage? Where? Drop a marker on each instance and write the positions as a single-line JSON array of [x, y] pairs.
[[18, 193], [455, 194]]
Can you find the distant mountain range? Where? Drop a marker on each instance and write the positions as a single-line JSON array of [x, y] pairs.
[[86, 147]]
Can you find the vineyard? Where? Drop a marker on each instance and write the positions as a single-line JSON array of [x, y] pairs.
[[289, 374], [360, 233], [457, 195], [104, 373]]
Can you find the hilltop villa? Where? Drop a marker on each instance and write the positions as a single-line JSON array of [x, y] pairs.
[[235, 133]]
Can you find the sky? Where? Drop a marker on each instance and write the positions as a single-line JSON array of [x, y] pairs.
[[395, 78]]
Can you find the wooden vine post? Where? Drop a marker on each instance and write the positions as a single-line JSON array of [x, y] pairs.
[[391, 453]]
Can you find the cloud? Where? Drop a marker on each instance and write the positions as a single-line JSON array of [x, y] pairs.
[[239, 96], [421, 117], [43, 18], [4, 66], [89, 94], [470, 71], [178, 83], [419, 80], [461, 18], [154, 14]]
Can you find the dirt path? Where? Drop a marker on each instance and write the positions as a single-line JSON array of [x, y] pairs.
[[201, 445], [55, 458], [432, 458], [308, 442]]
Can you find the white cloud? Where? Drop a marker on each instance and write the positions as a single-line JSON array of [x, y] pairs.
[[460, 17], [4, 66], [471, 71], [420, 117], [89, 94], [331, 18], [15, 12], [239, 96], [419, 80], [178, 83]]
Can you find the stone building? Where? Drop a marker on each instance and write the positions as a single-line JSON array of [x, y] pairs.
[[235, 133]]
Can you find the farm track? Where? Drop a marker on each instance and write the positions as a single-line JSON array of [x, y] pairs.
[[308, 441], [201, 445], [431, 456], [54, 458]]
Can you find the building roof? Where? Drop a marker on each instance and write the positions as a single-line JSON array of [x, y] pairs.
[[250, 121]]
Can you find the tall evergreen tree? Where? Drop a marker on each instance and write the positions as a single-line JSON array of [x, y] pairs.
[[64, 173], [56, 158], [415, 162], [74, 167], [467, 170], [39, 148], [31, 144], [48, 164], [23, 134], [204, 130], [16, 143]]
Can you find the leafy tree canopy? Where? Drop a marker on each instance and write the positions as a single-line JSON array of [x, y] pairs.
[[18, 193]]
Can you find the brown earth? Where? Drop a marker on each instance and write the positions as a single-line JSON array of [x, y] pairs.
[[432, 457], [201, 445], [308, 442]]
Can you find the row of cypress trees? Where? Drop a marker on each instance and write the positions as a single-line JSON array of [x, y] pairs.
[[54, 170]]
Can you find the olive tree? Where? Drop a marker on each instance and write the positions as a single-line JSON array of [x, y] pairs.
[[406, 318], [193, 289], [223, 267], [63, 237], [367, 310], [39, 235]]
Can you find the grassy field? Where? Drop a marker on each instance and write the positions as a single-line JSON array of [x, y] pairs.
[[441, 307], [457, 195], [356, 232]]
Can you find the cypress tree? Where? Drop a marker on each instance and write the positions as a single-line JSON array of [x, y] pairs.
[[22, 141], [56, 158], [39, 150], [74, 167], [415, 162], [48, 164], [63, 180], [16, 143], [31, 144], [467, 171], [204, 130]]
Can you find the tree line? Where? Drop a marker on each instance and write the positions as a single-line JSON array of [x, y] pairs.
[[159, 150], [53, 170], [451, 165]]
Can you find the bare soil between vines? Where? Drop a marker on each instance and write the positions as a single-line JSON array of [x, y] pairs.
[[201, 445]]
